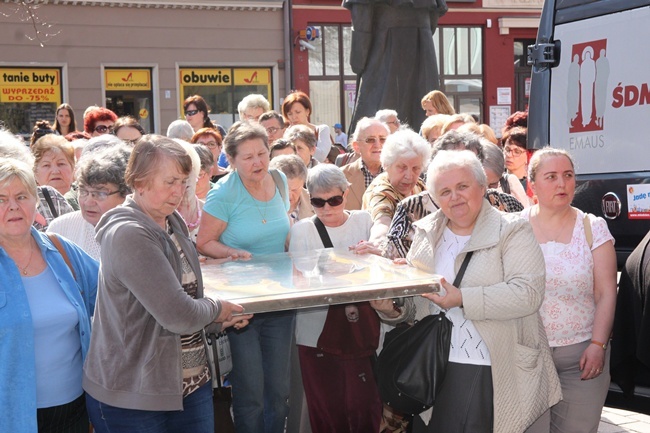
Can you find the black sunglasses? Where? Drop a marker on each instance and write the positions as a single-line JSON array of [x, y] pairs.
[[191, 112], [332, 201], [103, 129]]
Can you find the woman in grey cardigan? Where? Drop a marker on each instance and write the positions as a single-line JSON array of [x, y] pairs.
[[147, 363], [500, 377]]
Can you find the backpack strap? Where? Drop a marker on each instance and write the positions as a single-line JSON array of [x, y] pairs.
[[279, 183], [59, 246], [49, 201], [586, 222]]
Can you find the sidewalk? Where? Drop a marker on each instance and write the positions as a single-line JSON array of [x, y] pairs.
[[618, 420]]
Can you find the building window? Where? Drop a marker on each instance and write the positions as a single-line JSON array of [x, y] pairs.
[[27, 95], [332, 84], [459, 52], [129, 93], [223, 88]]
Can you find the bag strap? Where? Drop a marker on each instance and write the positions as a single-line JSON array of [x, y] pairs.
[[49, 201], [212, 337], [322, 232], [586, 222], [278, 182], [59, 246], [461, 271]]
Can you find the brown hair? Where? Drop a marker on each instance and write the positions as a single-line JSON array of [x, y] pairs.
[[128, 121], [73, 123], [147, 154], [243, 131], [293, 97], [516, 136], [202, 106], [439, 102], [207, 131], [54, 143]]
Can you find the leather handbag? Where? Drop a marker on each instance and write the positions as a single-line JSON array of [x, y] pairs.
[[221, 395], [412, 364]]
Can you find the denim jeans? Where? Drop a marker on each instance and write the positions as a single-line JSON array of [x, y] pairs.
[[260, 373], [197, 416]]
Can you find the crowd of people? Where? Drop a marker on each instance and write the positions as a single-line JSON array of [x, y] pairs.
[[103, 233]]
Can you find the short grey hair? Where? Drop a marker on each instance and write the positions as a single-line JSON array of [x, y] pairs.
[[383, 115], [326, 177], [180, 129], [365, 123], [446, 160], [104, 141], [494, 159], [12, 146], [205, 156], [303, 133], [105, 166], [454, 140], [243, 131], [11, 168], [253, 100], [291, 165], [405, 144]]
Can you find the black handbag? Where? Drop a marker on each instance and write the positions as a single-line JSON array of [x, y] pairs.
[[221, 395], [412, 364]]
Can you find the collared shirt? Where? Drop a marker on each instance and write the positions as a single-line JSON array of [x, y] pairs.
[[367, 176]]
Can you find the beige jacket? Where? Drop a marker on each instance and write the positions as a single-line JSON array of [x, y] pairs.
[[503, 288], [354, 175]]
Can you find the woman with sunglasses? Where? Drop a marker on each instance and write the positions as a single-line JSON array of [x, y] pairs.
[[99, 121], [403, 157], [337, 373], [196, 113]]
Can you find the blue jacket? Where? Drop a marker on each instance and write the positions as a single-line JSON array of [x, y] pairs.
[[17, 361]]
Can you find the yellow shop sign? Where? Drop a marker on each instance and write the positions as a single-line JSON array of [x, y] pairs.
[[30, 85], [127, 79]]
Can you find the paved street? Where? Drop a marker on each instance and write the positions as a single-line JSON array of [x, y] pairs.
[[618, 420]]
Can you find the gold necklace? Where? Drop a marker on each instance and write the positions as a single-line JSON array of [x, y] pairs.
[[266, 203], [31, 253]]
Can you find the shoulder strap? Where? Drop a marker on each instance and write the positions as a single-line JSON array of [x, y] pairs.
[[278, 182], [214, 362], [59, 246], [586, 222], [322, 231], [461, 271], [49, 201]]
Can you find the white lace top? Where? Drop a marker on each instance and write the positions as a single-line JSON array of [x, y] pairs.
[[467, 346], [569, 305]]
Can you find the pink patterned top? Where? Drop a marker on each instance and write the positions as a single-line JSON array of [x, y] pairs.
[[569, 307]]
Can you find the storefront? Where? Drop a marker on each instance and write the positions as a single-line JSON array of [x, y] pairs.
[[29, 94], [134, 58], [223, 88]]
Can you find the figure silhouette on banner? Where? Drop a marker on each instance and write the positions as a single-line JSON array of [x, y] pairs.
[[602, 75], [587, 89]]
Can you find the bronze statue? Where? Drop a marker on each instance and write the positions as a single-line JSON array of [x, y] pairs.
[[393, 55]]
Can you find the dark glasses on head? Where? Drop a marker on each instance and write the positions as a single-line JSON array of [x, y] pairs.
[[191, 112], [332, 201], [103, 129]]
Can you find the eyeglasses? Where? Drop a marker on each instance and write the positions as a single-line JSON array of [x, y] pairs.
[[395, 122], [190, 112], [332, 201], [373, 140], [211, 144], [272, 130], [513, 150], [96, 195], [103, 129]]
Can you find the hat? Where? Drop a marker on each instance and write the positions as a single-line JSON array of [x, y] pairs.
[[338, 126]]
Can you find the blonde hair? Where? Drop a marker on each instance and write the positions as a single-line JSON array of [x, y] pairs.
[[439, 102]]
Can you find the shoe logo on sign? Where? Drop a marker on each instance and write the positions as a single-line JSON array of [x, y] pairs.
[[587, 87]]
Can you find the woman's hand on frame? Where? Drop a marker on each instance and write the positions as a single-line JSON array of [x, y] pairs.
[[451, 297]]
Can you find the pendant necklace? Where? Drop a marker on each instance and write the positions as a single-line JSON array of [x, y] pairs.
[[266, 203], [31, 252]]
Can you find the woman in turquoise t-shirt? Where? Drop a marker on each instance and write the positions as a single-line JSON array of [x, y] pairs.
[[245, 214]]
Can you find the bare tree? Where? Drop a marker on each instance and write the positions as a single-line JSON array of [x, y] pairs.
[[27, 12]]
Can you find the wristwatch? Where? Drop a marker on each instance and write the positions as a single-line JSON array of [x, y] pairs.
[[599, 344]]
